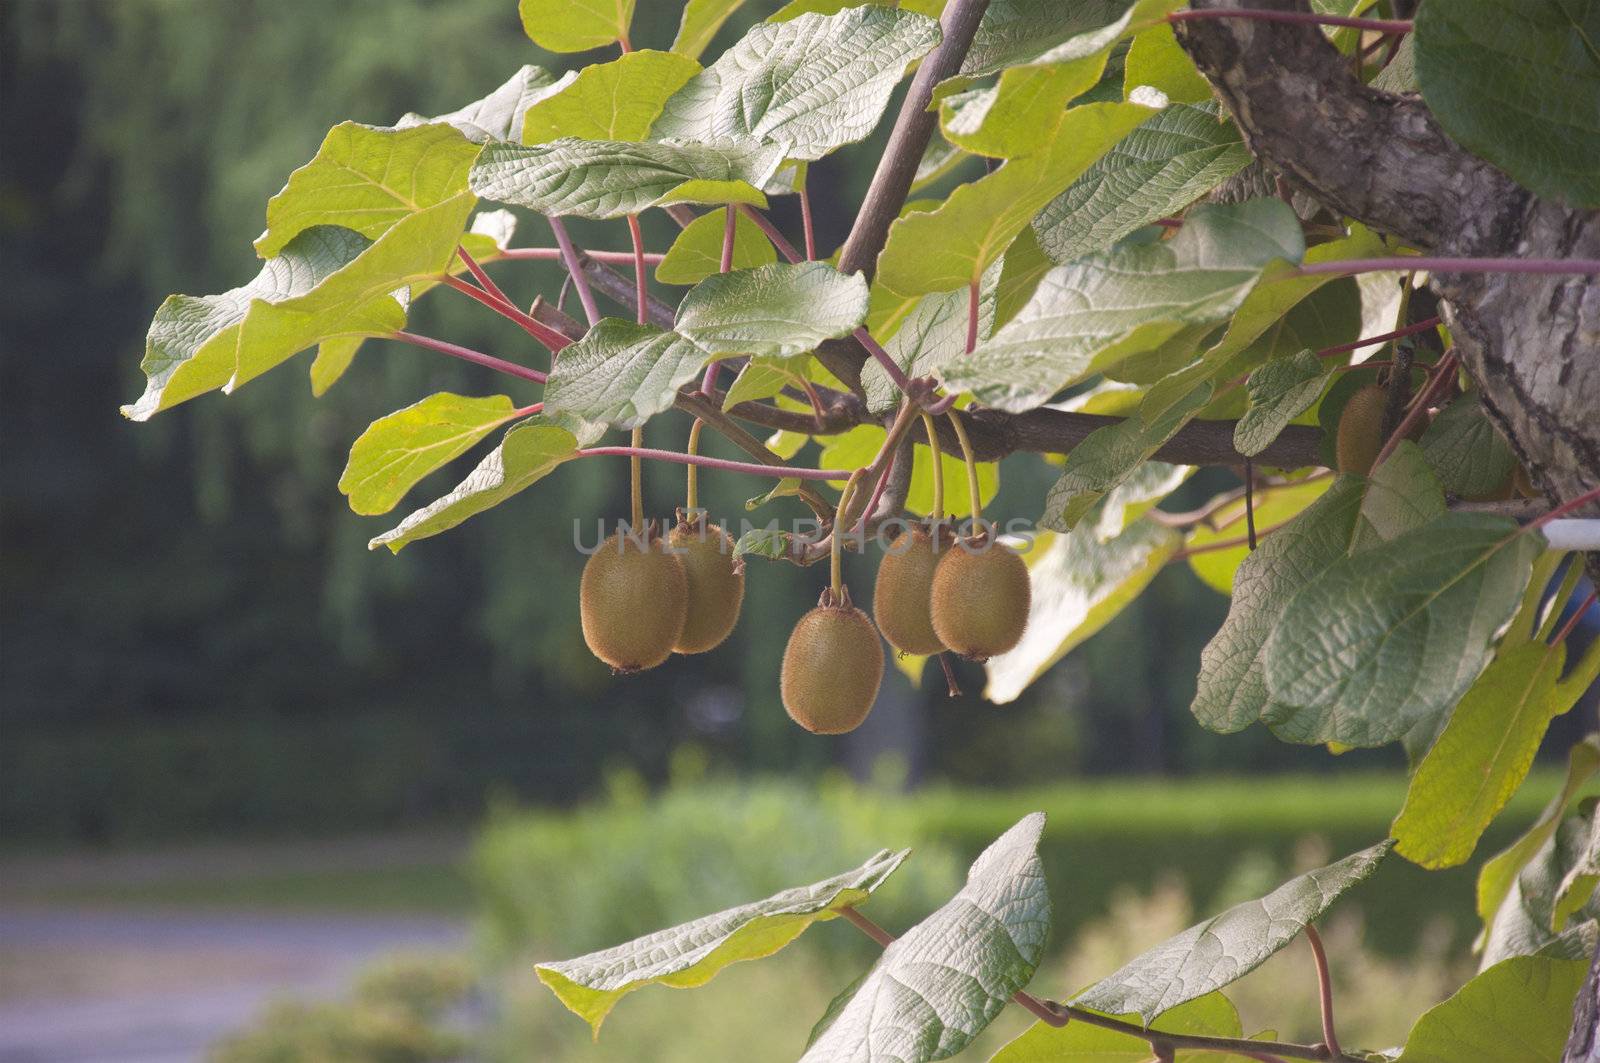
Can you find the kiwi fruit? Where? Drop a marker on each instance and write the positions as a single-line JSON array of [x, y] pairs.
[[832, 668], [633, 600], [902, 598], [980, 598], [716, 583], [1361, 430]]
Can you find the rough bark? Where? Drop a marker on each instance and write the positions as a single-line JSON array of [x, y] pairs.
[[1532, 343]]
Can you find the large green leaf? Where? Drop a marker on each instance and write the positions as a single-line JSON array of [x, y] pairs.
[[693, 953], [1391, 637], [1518, 82], [700, 22], [1226, 947], [368, 297], [939, 985], [1216, 568], [1107, 457], [528, 452], [575, 25], [933, 333], [777, 310], [1232, 691], [1078, 585], [398, 450], [498, 116], [366, 178], [1469, 455], [697, 252], [1557, 883], [1090, 314], [1017, 31], [1212, 1015], [1488, 745], [608, 179], [618, 100], [1499, 873], [1156, 60], [1157, 170], [1280, 391], [1402, 495], [811, 84], [621, 374], [190, 347], [951, 246], [1517, 1011], [1015, 116]]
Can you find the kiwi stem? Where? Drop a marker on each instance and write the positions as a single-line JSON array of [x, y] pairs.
[[938, 465], [764, 223], [805, 215], [1443, 373], [1382, 337], [973, 296], [1577, 615], [467, 354], [537, 329], [482, 276], [973, 496], [729, 228], [636, 479], [836, 552], [549, 254], [952, 686], [580, 279], [784, 472], [691, 495], [642, 294]]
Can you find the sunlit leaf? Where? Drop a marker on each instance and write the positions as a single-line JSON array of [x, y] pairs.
[[700, 22], [575, 25], [1279, 391], [1517, 1011], [933, 333], [777, 310], [617, 101], [697, 252], [1158, 61], [621, 374], [396, 451]]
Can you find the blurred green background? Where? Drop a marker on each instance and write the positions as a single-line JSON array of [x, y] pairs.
[[197, 649]]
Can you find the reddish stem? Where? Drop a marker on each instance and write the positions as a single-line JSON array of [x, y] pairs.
[[1324, 990], [1409, 330], [1378, 25], [1412, 263], [896, 374], [764, 223], [529, 411], [641, 293], [467, 354], [537, 329], [729, 228], [486, 281], [877, 491], [973, 298], [1577, 615], [1441, 378], [805, 223], [951, 684], [580, 280], [754, 469], [553, 254], [1169, 223], [1563, 509]]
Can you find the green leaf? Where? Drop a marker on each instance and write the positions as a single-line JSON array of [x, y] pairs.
[[1226, 947], [1157, 60], [700, 23], [1232, 690], [778, 310], [950, 247], [1079, 585], [1155, 171], [616, 101], [1530, 921], [1498, 874], [190, 346], [945, 979], [1212, 1015], [1577, 887], [621, 374], [1402, 495], [697, 252], [1401, 73], [1517, 1011], [366, 178], [608, 179], [1279, 505], [1390, 637], [1015, 116], [763, 542], [761, 378], [368, 297], [940, 158], [396, 451], [1021, 269], [932, 334], [1106, 457], [1470, 456], [528, 452], [1518, 82], [693, 953], [811, 84], [1279, 391], [575, 25], [498, 116], [1090, 314], [1017, 31], [332, 361]]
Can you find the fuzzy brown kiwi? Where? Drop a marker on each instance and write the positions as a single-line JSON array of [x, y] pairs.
[[716, 584], [633, 600], [1360, 435], [832, 668], [980, 598], [902, 597]]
